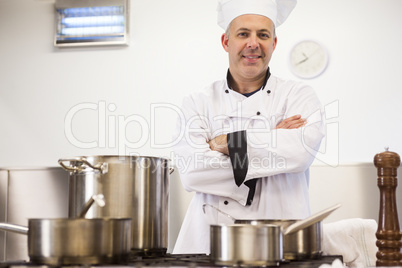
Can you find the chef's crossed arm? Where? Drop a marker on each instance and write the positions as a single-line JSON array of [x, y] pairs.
[[220, 143], [206, 163]]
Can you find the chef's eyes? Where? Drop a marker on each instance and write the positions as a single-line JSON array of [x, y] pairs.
[[263, 36]]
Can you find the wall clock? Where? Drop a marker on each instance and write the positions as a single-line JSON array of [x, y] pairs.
[[308, 59]]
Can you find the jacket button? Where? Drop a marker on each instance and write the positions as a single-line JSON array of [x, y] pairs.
[[226, 202], [258, 113], [268, 91], [227, 91]]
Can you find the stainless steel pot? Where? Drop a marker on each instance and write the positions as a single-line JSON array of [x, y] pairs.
[[76, 241], [136, 187], [303, 244], [25, 193], [246, 244], [302, 239]]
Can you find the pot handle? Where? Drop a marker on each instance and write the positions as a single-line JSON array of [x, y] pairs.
[[13, 228], [99, 199], [220, 211], [102, 167], [297, 226]]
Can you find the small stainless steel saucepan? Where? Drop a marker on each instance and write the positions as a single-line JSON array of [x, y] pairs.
[[78, 240], [292, 239], [246, 245]]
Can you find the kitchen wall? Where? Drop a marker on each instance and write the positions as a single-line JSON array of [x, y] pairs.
[[58, 103]]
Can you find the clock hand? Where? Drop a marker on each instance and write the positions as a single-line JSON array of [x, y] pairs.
[[307, 57], [303, 60]]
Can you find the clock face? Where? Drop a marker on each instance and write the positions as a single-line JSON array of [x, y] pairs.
[[308, 59]]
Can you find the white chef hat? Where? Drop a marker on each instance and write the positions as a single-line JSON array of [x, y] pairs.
[[276, 10]]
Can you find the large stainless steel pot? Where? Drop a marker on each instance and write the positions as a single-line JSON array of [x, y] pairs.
[[246, 244], [76, 241], [136, 187]]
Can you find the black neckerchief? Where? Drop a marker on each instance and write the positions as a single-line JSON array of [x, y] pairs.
[[229, 78], [237, 145]]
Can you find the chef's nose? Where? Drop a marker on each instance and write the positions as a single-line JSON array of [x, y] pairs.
[[252, 42]]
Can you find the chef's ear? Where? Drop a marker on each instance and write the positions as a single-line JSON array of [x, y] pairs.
[[225, 41], [275, 42]]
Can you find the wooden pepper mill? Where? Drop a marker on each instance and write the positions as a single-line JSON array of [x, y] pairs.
[[388, 233]]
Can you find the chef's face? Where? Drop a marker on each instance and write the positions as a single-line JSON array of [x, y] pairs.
[[250, 44]]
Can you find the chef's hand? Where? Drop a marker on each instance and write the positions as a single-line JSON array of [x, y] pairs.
[[292, 122], [219, 144]]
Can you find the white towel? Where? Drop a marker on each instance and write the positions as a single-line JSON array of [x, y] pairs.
[[354, 239], [335, 264]]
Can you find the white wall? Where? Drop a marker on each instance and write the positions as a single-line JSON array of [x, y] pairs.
[[363, 40], [174, 49]]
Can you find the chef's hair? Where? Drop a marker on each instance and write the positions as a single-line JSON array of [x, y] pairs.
[[227, 32]]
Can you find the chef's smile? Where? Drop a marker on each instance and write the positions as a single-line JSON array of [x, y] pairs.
[[251, 58]]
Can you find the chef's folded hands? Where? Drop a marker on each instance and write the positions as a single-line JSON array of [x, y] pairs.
[[219, 143]]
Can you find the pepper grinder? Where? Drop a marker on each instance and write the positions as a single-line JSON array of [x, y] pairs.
[[388, 233]]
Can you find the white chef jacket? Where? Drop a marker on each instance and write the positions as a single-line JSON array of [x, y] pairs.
[[279, 157]]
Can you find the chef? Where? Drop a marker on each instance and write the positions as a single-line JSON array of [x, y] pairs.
[[246, 142]]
